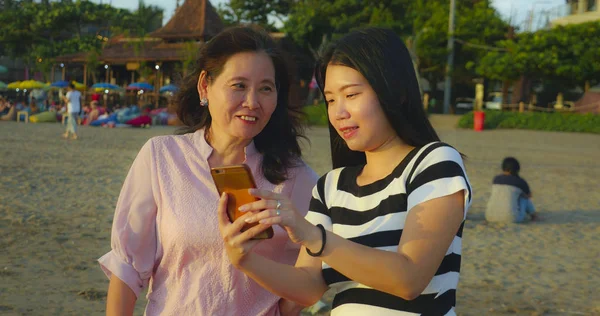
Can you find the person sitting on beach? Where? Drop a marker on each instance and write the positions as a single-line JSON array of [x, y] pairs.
[[236, 109], [33, 108], [384, 228], [61, 108], [4, 107], [510, 200], [93, 114]]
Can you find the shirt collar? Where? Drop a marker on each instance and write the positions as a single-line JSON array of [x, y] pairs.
[[206, 149]]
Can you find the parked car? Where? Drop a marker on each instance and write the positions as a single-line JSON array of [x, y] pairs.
[[494, 101], [463, 105]]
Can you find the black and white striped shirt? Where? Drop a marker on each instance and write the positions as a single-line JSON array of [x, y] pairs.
[[374, 215]]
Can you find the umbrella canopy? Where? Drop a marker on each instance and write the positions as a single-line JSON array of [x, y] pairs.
[[60, 84], [140, 86], [3, 85], [79, 85], [14, 85], [105, 85], [169, 88], [3, 69], [32, 84]]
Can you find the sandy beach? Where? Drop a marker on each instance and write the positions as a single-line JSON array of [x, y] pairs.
[[57, 200]]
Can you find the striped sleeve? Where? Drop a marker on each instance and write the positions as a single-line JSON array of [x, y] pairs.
[[318, 213], [438, 171]]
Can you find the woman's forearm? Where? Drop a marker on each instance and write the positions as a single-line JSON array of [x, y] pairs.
[[386, 271], [297, 284], [121, 299]]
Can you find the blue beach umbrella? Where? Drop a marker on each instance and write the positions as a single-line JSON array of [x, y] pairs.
[[105, 85], [60, 84], [168, 88], [140, 86]]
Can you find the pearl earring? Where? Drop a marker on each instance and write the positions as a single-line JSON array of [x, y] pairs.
[[203, 102]]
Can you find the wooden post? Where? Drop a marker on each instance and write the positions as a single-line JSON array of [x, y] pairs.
[[425, 101], [85, 75], [84, 81], [521, 107]]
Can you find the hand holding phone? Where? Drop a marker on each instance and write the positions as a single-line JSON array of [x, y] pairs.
[[235, 181]]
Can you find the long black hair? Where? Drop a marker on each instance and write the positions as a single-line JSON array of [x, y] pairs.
[[278, 141], [383, 59]]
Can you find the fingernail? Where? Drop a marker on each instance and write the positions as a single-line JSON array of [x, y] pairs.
[[248, 220], [242, 208], [262, 221], [223, 194]]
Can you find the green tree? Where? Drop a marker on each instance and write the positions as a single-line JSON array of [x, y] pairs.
[[566, 55], [39, 32], [310, 21], [254, 11], [144, 20], [423, 23], [189, 53], [478, 28]]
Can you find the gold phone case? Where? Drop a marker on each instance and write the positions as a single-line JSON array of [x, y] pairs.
[[235, 181]]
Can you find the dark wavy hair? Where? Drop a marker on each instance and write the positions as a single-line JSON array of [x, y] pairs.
[[383, 59], [278, 141], [511, 165]]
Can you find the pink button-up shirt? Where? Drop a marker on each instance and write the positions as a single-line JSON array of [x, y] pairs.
[[165, 232]]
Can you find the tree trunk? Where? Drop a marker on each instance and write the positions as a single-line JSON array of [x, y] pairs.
[[505, 86]]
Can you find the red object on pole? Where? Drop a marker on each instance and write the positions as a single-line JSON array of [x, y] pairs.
[[478, 120]]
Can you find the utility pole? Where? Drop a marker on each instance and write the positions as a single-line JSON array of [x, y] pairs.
[[450, 63]]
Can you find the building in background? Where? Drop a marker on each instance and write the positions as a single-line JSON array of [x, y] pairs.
[[575, 12]]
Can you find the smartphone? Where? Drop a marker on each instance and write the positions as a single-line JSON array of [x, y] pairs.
[[235, 181]]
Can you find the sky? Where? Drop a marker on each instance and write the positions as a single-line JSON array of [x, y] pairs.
[[517, 10]]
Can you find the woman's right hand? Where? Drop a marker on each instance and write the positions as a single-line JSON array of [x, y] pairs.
[[237, 243], [277, 209]]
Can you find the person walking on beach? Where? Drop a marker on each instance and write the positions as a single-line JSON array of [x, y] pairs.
[[510, 200], [73, 101], [236, 109], [384, 228]]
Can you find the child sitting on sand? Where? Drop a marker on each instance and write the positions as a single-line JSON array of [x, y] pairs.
[[511, 197]]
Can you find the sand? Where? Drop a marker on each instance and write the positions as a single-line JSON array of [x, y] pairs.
[[57, 200]]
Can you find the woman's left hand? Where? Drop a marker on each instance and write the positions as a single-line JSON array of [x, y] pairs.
[[238, 244], [277, 209]]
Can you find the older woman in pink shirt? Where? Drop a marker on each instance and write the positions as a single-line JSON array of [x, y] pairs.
[[165, 231]]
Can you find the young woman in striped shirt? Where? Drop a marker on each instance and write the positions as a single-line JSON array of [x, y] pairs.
[[384, 227]]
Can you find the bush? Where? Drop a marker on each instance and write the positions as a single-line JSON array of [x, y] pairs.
[[559, 122], [316, 115]]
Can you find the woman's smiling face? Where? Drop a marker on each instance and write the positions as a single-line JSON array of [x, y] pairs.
[[242, 97], [354, 109]]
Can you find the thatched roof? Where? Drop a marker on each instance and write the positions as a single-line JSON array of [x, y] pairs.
[[123, 51], [195, 19]]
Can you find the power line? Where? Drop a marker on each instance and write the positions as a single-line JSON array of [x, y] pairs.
[[487, 47]]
